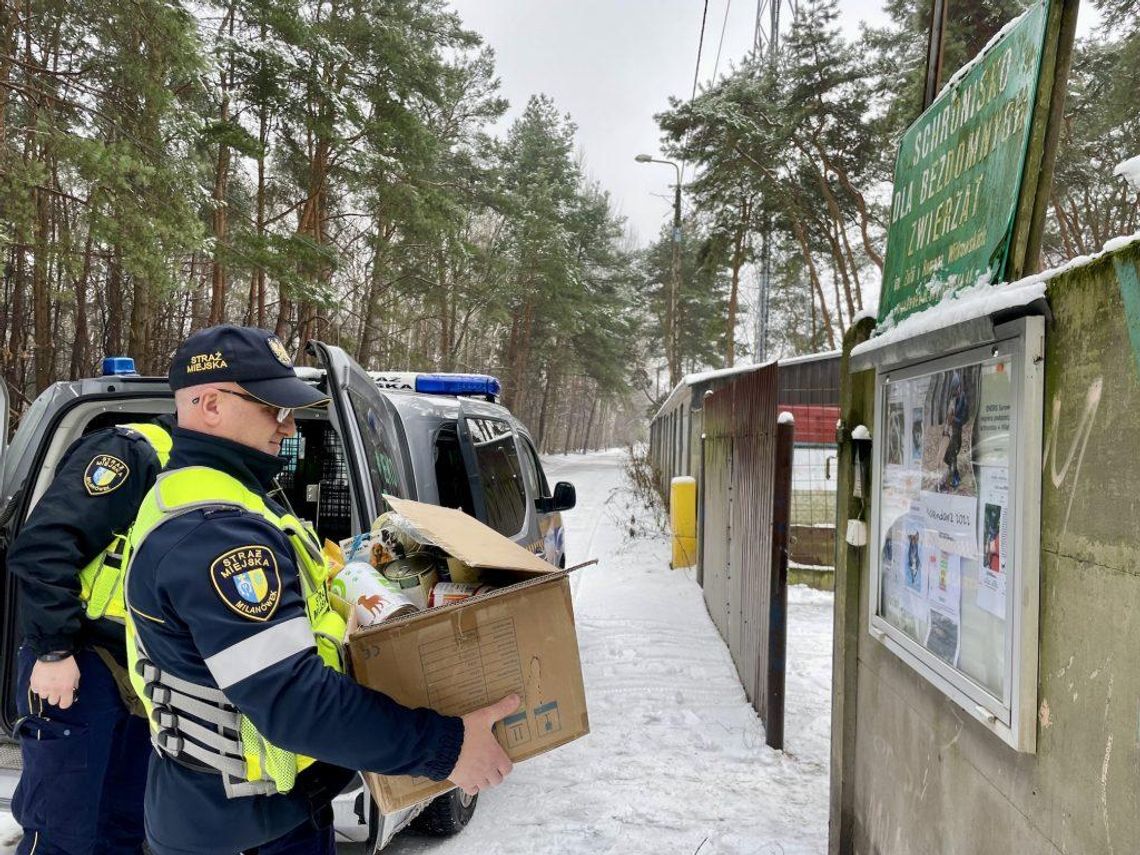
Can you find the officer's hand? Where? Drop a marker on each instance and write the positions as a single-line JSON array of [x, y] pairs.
[[482, 762], [56, 682]]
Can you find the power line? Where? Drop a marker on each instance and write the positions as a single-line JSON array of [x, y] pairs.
[[700, 47], [720, 46]]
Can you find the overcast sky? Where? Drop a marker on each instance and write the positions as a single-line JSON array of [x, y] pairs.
[[612, 64]]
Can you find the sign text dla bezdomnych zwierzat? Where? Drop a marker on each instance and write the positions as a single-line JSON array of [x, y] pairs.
[[958, 175]]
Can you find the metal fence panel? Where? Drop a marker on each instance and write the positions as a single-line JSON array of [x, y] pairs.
[[740, 423], [716, 536]]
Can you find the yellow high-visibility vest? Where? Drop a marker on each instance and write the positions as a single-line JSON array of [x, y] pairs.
[[101, 581], [264, 768]]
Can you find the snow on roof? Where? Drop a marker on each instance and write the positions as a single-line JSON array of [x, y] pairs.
[[817, 357], [978, 301], [703, 377], [697, 378], [1129, 170]]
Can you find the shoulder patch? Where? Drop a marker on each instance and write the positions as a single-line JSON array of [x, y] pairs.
[[105, 474], [248, 581]]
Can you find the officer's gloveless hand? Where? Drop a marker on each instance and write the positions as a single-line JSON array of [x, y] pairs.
[[482, 762], [56, 682]]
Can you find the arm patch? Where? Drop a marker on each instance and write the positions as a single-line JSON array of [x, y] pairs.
[[105, 474], [248, 581]]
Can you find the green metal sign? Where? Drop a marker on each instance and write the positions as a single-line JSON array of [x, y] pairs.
[[959, 173]]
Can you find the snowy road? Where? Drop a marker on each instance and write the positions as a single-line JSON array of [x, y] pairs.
[[675, 761]]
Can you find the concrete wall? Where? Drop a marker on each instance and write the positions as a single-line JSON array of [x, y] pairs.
[[911, 773]]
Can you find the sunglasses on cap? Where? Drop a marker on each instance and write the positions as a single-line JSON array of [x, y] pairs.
[[280, 413]]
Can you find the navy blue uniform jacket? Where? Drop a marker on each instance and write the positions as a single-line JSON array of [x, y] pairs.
[[91, 499], [253, 642]]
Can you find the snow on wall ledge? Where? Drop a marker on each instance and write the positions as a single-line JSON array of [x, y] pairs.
[[981, 300]]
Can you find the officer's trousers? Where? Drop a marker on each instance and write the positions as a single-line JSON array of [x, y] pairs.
[[306, 839], [81, 788]]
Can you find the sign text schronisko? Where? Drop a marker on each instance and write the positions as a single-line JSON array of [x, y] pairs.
[[958, 175]]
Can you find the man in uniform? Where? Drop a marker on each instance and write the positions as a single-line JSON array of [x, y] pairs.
[[84, 754], [229, 620]]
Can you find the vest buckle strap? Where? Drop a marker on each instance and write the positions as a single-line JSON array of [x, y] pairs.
[[158, 694], [165, 718], [146, 669], [169, 742]]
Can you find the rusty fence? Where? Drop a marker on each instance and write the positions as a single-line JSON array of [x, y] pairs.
[[745, 490]]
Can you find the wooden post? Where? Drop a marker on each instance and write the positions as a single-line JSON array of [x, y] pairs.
[[778, 583], [934, 52], [856, 406], [1041, 154]]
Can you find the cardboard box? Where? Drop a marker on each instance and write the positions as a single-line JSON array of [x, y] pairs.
[[458, 658]]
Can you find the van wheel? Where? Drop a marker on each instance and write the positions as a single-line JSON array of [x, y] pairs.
[[447, 814]]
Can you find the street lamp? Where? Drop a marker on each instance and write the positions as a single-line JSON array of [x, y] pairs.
[[672, 338]]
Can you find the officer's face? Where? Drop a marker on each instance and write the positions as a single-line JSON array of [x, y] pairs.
[[254, 424]]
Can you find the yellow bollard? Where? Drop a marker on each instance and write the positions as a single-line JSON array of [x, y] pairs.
[[683, 520]]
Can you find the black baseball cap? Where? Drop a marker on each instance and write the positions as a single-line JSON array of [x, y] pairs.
[[253, 358]]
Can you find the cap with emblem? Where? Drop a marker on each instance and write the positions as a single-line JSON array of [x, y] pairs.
[[253, 358]]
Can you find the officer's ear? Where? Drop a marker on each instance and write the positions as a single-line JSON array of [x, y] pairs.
[[198, 407], [211, 407]]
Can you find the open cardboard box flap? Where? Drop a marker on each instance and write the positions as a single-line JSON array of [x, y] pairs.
[[464, 537], [455, 658]]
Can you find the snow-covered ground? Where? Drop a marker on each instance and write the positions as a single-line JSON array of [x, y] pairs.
[[675, 761]]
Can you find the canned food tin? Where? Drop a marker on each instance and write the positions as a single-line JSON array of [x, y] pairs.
[[446, 593], [414, 575], [374, 598]]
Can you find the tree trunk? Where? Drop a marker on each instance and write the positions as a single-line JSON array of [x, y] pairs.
[[41, 293], [79, 348], [139, 343], [733, 294], [590, 423], [221, 182], [801, 236], [114, 344]]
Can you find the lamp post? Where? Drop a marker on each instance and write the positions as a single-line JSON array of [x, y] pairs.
[[672, 337]]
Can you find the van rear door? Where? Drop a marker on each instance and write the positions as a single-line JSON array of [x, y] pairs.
[[491, 453], [375, 446]]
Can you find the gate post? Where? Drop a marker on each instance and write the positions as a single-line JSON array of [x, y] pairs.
[[778, 581]]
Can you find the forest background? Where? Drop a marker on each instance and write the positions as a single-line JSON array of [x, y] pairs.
[[328, 169]]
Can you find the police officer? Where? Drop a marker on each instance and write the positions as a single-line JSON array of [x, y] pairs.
[[235, 647], [84, 753]]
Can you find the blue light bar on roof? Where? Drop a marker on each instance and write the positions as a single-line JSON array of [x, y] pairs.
[[117, 365], [457, 384]]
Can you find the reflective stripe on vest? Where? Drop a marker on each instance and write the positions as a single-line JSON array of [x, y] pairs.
[[230, 744], [101, 581]]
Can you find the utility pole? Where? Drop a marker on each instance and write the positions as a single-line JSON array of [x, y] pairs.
[[675, 290], [766, 44], [672, 301]]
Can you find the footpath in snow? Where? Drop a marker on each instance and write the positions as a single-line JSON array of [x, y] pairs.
[[675, 761]]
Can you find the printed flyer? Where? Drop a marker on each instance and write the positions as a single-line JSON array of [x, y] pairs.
[[944, 577], [994, 538]]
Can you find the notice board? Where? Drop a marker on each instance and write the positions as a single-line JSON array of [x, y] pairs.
[[956, 524]]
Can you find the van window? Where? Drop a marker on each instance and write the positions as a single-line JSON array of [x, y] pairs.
[[535, 477], [378, 450], [452, 486], [501, 474]]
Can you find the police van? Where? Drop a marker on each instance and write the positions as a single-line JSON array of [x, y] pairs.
[[437, 438]]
